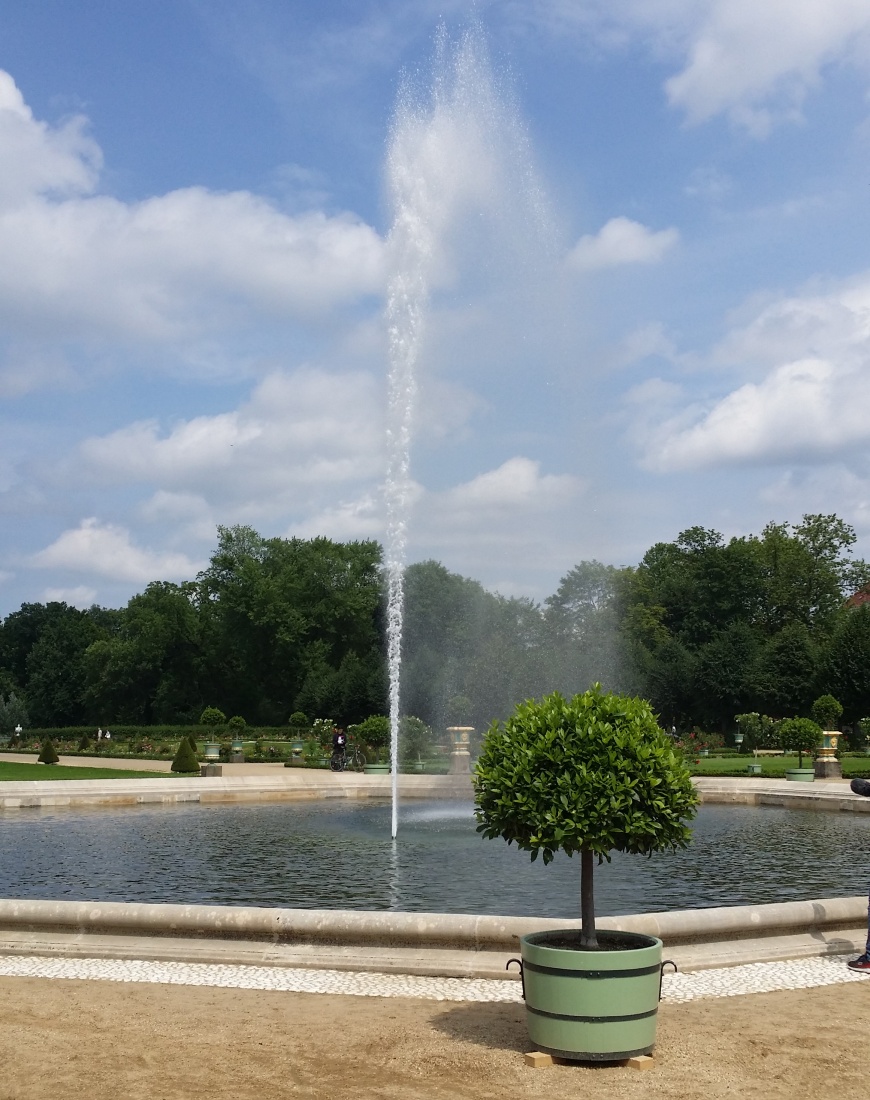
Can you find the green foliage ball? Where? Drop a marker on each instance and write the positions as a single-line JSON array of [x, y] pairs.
[[236, 724], [299, 721], [374, 731], [799, 735], [826, 712], [212, 716], [591, 773]]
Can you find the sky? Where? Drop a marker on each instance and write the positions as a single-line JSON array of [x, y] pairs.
[[647, 284]]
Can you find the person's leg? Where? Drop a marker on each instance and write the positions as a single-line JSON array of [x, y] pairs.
[[863, 961]]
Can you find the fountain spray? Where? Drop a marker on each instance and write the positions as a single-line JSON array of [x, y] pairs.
[[457, 157]]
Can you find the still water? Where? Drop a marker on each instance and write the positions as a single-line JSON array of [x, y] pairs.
[[339, 855]]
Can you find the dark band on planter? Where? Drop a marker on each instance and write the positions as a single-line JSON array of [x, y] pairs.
[[592, 1019], [557, 971]]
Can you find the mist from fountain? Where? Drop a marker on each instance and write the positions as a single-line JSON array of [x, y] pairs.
[[457, 159]]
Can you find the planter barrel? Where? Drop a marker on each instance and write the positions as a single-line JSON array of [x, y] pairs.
[[592, 1005], [800, 775], [753, 769]]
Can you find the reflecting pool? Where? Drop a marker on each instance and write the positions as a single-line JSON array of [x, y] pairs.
[[339, 855]]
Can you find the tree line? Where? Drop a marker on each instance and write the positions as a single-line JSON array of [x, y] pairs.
[[703, 627]]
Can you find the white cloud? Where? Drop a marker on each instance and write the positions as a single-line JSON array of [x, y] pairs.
[[299, 436], [754, 62], [758, 60], [509, 514], [806, 402], [106, 550], [81, 596], [36, 159], [621, 241], [174, 267]]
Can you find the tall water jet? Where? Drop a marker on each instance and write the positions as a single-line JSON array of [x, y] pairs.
[[457, 159]]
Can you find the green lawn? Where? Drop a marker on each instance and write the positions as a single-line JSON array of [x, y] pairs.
[[772, 766], [10, 772]]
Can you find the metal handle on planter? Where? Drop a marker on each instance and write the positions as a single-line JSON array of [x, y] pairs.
[[667, 962], [519, 963]]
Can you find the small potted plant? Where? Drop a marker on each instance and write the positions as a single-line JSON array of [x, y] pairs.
[[374, 733], [586, 776], [800, 735], [212, 717]]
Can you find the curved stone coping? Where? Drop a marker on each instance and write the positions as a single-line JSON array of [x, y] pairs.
[[290, 784], [422, 930], [827, 794]]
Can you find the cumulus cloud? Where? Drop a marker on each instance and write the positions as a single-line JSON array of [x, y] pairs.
[[754, 62], [174, 267], [81, 596], [107, 551], [299, 435], [807, 400], [504, 514], [621, 241]]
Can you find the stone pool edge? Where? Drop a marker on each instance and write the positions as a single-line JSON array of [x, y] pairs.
[[435, 944], [296, 785]]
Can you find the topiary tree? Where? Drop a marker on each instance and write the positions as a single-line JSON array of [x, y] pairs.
[[373, 732], [799, 735], [298, 720], [212, 716], [191, 740], [826, 712], [84, 743], [185, 758], [48, 754], [236, 725], [593, 774]]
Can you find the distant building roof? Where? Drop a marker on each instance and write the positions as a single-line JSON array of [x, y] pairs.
[[862, 596]]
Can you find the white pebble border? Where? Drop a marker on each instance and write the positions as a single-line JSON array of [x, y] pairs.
[[677, 988]]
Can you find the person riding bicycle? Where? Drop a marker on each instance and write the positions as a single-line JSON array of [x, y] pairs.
[[339, 745]]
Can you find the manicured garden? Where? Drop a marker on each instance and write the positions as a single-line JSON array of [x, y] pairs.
[[772, 767]]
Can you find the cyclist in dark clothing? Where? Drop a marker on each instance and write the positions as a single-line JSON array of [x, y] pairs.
[[339, 744]]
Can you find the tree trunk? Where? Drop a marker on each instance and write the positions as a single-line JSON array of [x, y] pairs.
[[587, 901]]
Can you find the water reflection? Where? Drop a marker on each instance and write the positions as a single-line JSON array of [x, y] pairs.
[[340, 855]]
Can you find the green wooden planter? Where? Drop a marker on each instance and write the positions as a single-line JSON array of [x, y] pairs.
[[592, 1005], [800, 775], [753, 769]]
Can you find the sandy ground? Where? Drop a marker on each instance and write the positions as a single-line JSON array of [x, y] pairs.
[[128, 1041]]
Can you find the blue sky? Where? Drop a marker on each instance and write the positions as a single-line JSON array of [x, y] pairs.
[[649, 297]]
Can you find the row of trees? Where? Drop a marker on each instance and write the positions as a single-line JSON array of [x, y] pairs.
[[703, 627]]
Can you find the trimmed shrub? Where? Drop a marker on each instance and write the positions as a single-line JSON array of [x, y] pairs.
[[298, 720], [48, 754], [589, 775], [236, 724], [799, 735], [84, 743], [826, 712], [185, 759], [212, 716]]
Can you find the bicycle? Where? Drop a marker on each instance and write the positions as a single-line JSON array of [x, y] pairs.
[[348, 758]]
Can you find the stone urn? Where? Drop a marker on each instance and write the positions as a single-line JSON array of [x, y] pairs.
[[827, 766], [460, 752]]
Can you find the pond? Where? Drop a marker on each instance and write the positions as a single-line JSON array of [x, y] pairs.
[[340, 856]]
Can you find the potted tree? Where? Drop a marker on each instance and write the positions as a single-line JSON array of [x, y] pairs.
[[586, 776], [799, 735], [212, 717], [374, 733]]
